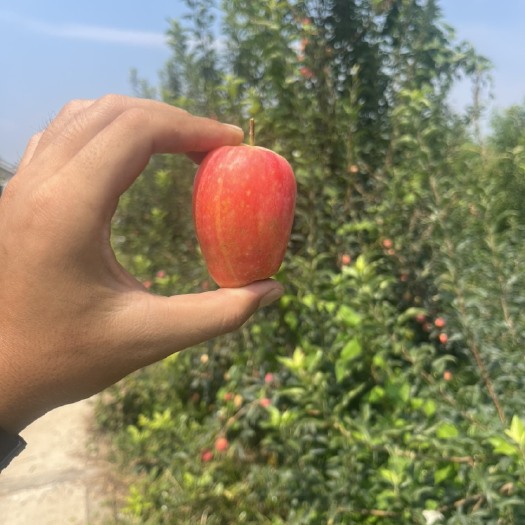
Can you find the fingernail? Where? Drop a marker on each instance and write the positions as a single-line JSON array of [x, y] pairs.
[[236, 128], [271, 297]]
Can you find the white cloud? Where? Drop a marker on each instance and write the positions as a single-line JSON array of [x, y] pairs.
[[110, 35], [87, 32]]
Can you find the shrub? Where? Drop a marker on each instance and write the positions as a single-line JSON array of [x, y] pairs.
[[384, 387]]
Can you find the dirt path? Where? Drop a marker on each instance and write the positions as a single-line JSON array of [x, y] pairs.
[[60, 478]]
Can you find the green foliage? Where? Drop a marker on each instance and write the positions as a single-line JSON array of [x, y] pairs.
[[385, 385], [508, 140]]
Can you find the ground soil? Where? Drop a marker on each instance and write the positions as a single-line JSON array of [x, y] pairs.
[[63, 476]]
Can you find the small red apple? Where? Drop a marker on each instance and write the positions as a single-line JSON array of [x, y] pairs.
[[421, 318], [443, 338], [440, 322], [243, 210], [345, 259], [268, 378], [206, 456], [306, 72], [221, 444]]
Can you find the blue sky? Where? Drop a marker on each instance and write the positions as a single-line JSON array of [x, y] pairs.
[[52, 52]]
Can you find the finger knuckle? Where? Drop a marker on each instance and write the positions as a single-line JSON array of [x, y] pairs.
[[35, 139], [72, 107], [135, 118], [113, 101]]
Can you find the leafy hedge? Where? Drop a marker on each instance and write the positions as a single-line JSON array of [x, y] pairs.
[[385, 386]]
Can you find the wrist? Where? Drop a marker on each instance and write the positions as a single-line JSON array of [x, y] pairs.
[[27, 389], [14, 406], [14, 412]]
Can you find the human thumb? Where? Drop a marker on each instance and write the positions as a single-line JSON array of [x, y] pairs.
[[160, 326]]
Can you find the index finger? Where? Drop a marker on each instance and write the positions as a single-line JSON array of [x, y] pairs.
[[111, 160]]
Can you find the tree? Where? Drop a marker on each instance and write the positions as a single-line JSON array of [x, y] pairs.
[[378, 390], [508, 140]]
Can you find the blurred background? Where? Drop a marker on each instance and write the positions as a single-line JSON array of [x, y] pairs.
[[60, 51], [386, 386]]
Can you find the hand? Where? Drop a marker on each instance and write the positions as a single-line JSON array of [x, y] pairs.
[[72, 320]]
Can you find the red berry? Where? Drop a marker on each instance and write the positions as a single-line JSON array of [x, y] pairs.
[[228, 396], [265, 402], [387, 243], [346, 259], [447, 375], [161, 274]]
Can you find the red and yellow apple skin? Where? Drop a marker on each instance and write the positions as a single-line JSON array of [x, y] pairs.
[[243, 210]]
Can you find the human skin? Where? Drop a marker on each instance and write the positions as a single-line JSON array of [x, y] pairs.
[[73, 321]]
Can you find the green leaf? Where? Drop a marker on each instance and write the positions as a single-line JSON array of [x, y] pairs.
[[360, 226], [516, 431], [291, 319], [340, 370], [443, 474], [404, 392], [376, 394], [296, 362], [390, 476], [348, 316], [275, 416], [351, 350], [429, 408], [447, 431], [351, 394], [296, 393], [309, 300], [360, 264], [313, 359], [503, 447]]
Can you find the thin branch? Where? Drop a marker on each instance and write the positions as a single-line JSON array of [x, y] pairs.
[[473, 347]]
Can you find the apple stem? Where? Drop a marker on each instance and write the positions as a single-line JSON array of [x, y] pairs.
[[252, 132]]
